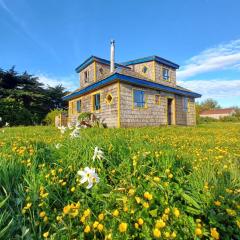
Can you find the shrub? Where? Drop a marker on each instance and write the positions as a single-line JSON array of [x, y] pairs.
[[50, 117]]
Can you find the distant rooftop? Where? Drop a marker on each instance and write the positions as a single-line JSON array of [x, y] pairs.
[[152, 58], [218, 111]]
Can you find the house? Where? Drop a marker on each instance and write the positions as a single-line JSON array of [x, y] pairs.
[[140, 92], [218, 113]]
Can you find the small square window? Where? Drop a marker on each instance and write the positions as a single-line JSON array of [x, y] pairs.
[[101, 70], [165, 74]]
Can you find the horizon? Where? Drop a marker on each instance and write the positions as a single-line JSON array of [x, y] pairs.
[[202, 37]]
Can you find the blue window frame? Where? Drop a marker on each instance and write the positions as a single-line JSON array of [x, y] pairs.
[[185, 104], [138, 98], [79, 106], [165, 74], [96, 102]]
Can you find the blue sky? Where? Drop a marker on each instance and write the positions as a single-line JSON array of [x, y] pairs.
[[49, 38]]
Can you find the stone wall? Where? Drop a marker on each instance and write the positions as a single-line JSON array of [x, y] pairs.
[[101, 70], [150, 66], [159, 75], [90, 68], [151, 115], [108, 112]]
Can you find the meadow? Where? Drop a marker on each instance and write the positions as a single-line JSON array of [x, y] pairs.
[[146, 183]]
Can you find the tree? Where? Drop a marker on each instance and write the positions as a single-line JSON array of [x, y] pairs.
[[29, 97], [207, 105]]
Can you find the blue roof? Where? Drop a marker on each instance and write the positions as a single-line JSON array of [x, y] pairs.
[[131, 80], [97, 59], [152, 58]]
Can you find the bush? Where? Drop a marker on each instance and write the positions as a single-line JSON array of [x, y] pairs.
[[201, 120], [14, 113], [50, 117]]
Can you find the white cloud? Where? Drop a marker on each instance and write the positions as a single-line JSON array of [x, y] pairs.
[[217, 88], [70, 82], [220, 57]]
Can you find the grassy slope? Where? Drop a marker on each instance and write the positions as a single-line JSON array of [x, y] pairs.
[[196, 167]]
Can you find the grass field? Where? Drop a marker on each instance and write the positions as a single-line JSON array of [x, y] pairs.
[[163, 183]]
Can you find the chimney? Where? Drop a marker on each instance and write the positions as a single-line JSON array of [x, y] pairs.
[[112, 60]]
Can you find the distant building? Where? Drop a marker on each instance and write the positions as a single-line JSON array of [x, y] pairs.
[[218, 113], [141, 92]]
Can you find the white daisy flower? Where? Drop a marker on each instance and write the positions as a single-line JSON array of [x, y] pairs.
[[75, 133], [62, 129], [88, 175], [98, 153]]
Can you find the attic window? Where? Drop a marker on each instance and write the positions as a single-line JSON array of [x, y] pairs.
[[144, 70], [86, 76], [101, 70], [165, 74]]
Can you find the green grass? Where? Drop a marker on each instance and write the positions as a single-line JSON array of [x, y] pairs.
[[188, 177]]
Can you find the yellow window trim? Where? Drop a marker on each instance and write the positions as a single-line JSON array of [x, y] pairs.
[[106, 100], [146, 100], [92, 101], [94, 71]]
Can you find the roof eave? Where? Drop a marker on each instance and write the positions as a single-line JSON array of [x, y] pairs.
[[132, 80]]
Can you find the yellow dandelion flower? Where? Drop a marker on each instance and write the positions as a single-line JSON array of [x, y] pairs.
[[42, 214], [198, 231], [156, 233], [214, 233], [100, 216], [100, 227], [122, 227], [87, 229], [176, 212], [115, 213], [160, 224], [46, 234], [140, 221]]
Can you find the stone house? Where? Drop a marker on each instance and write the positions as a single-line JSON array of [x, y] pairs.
[[218, 113], [141, 92]]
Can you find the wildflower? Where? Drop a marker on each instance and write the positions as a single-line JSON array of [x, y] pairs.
[[115, 213], [98, 153], [122, 227], [198, 232], [148, 196], [0, 119], [156, 233], [131, 192], [75, 133], [167, 234], [176, 212], [70, 126], [42, 214], [146, 205], [6, 124], [58, 145], [62, 129], [95, 224], [214, 233], [87, 212], [136, 225], [100, 227], [46, 234], [73, 189], [87, 229], [140, 221], [138, 199], [217, 203], [156, 179], [160, 224], [173, 235], [231, 212], [167, 210], [88, 175], [100, 216]]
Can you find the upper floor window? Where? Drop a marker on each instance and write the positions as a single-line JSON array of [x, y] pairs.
[[138, 98], [79, 106], [185, 104], [165, 74], [96, 102], [144, 69], [86, 76], [157, 99], [101, 70]]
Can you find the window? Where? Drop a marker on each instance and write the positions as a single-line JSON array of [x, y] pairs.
[[157, 99], [96, 102], [109, 99], [165, 74], [138, 98], [185, 104], [86, 76], [101, 70], [79, 106], [144, 69]]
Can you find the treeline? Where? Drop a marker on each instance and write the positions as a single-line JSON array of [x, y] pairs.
[[26, 101]]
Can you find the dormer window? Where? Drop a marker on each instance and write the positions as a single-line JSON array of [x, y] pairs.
[[144, 69], [86, 76], [166, 74]]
